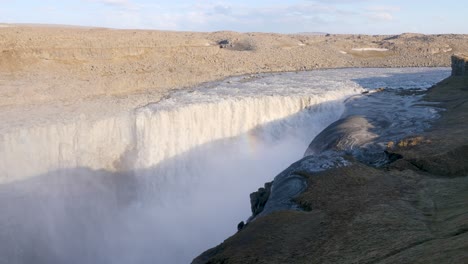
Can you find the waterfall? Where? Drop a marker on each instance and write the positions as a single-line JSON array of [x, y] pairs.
[[163, 134], [142, 138], [165, 181], [124, 182]]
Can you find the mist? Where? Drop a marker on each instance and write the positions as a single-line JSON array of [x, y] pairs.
[[168, 213]]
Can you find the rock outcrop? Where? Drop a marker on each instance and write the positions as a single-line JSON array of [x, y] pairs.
[[344, 134], [459, 65], [259, 198]]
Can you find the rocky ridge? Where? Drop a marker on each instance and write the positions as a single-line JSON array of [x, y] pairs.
[[413, 210]]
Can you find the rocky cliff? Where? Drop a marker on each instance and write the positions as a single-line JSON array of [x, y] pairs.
[[412, 210], [459, 65]]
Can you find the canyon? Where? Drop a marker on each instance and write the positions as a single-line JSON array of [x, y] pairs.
[[129, 146]]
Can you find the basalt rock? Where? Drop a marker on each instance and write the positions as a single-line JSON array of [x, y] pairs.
[[259, 198], [459, 65], [225, 43], [343, 135]]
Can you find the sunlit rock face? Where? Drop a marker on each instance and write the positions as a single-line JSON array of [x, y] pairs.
[[164, 182]]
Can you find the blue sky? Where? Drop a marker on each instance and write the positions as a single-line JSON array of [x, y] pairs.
[[331, 16]]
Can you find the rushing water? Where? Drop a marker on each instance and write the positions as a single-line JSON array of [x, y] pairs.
[[173, 178]]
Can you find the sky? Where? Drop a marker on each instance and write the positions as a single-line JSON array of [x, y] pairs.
[[293, 16]]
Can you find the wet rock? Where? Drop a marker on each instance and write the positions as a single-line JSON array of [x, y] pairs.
[[392, 157], [259, 198], [293, 181], [240, 226], [343, 135]]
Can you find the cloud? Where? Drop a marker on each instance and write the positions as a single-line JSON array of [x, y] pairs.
[[439, 18], [340, 1], [383, 13], [212, 16], [222, 9], [380, 16], [114, 2], [121, 4], [383, 8], [271, 18], [204, 16], [303, 16]]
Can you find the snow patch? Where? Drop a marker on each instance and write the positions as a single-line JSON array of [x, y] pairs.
[[369, 49]]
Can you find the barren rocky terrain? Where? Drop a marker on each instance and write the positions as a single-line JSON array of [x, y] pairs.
[[73, 70]]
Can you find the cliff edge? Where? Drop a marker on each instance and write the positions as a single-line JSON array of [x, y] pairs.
[[459, 65], [413, 210]]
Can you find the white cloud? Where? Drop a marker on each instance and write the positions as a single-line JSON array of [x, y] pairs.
[[340, 1], [383, 8], [113, 2], [380, 16], [222, 9], [121, 4], [439, 18], [212, 16], [383, 13]]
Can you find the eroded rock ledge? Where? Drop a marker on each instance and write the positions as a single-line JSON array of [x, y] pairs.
[[413, 210], [459, 65]]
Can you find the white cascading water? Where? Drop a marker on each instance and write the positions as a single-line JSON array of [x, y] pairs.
[[167, 180], [196, 124]]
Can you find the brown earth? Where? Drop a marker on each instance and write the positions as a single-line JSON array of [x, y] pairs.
[[40, 64], [414, 210]]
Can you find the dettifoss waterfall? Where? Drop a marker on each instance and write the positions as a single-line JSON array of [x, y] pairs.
[[168, 180]]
